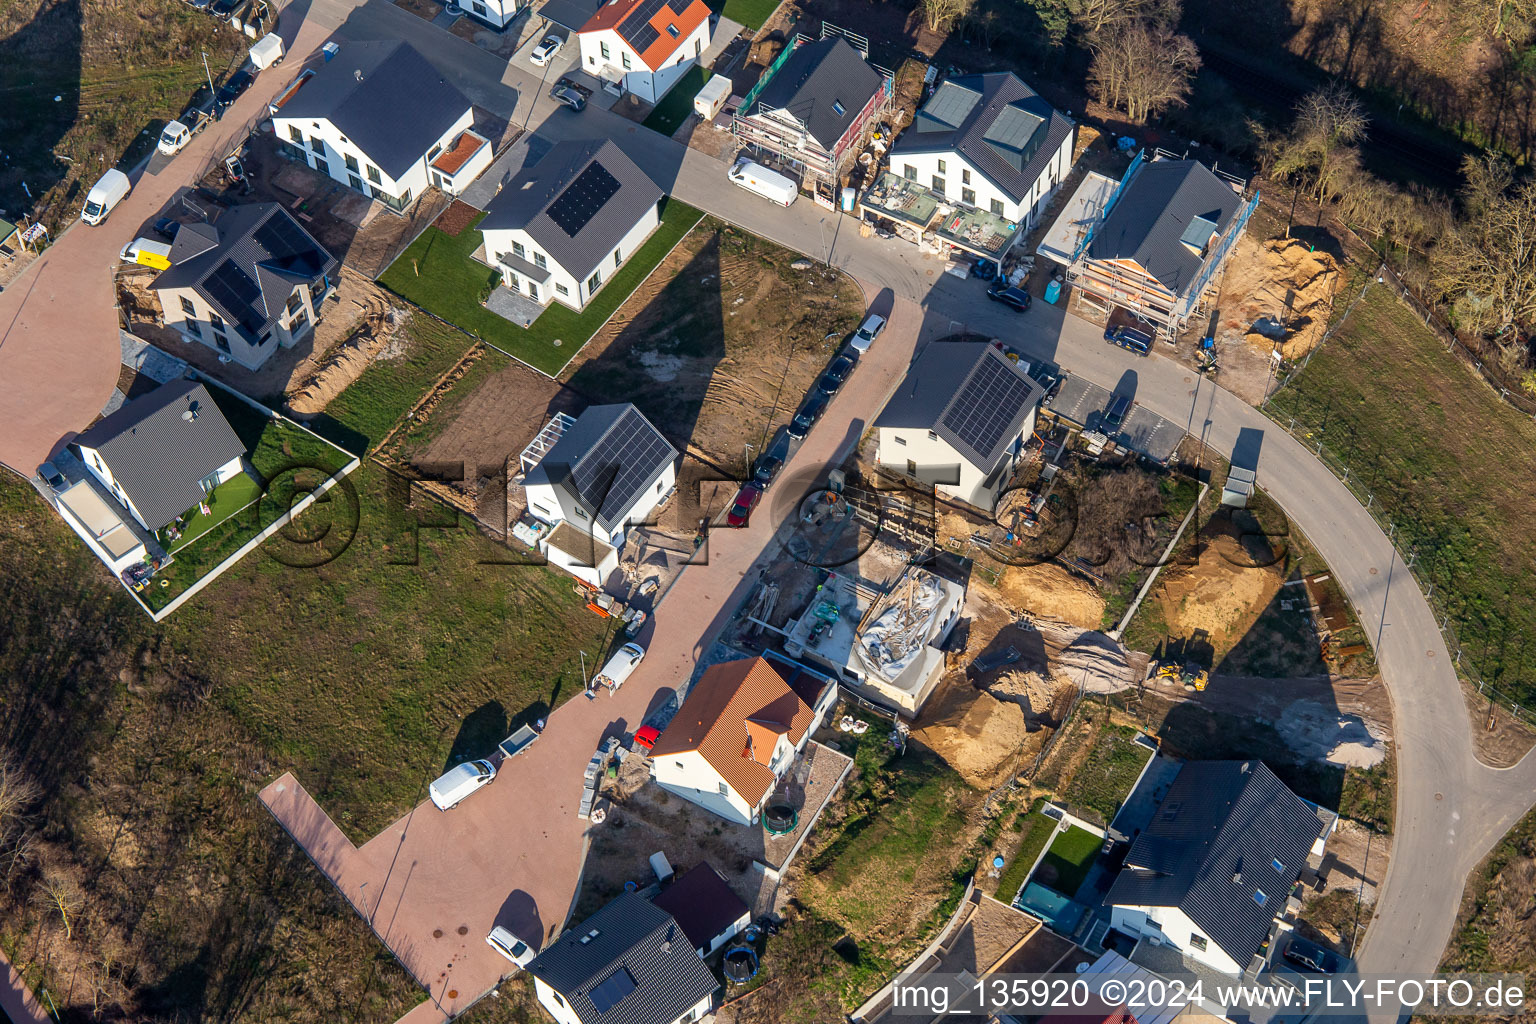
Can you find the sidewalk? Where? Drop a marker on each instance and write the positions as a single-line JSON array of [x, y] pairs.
[[17, 1001]]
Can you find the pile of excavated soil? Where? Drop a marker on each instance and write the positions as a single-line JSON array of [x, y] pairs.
[[1223, 594], [346, 362], [1098, 664], [1283, 287], [974, 733], [1033, 691], [1051, 591]]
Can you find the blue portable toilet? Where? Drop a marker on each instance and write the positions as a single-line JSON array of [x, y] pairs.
[[330, 50], [1053, 292]]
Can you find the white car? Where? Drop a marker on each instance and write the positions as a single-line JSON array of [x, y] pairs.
[[459, 782], [509, 946], [545, 51], [867, 333]]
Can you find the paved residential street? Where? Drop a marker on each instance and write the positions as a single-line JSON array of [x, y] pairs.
[[58, 364]]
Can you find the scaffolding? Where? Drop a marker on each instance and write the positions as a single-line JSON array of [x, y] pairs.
[[546, 440]]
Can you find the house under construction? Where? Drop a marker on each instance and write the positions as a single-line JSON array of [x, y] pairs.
[[1156, 247], [810, 111]]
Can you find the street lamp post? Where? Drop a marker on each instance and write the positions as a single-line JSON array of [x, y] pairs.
[[747, 449]]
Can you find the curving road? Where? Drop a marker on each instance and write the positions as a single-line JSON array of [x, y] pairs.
[[58, 364]]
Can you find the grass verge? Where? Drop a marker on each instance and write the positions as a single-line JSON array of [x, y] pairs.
[[438, 274], [1494, 929], [1035, 830]]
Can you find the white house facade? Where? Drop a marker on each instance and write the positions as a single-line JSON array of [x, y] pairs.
[[645, 46]]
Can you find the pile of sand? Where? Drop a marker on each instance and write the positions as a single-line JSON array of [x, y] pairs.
[[973, 732], [1223, 594], [346, 362], [1283, 287], [1033, 691], [1053, 592]]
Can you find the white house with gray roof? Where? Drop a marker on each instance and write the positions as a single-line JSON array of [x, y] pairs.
[[591, 477], [160, 455], [1212, 874], [959, 421], [988, 142], [564, 225], [629, 963], [381, 119], [246, 283]]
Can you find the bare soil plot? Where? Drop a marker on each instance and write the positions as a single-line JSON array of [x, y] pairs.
[[721, 342]]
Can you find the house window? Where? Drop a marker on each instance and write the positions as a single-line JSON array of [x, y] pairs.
[[900, 440], [299, 322], [562, 289], [909, 172], [1197, 942], [997, 207], [1260, 898], [698, 47], [187, 307], [602, 48], [556, 995], [1278, 866], [432, 153], [317, 144], [193, 328], [295, 134], [374, 175], [942, 167], [658, 486], [911, 468], [724, 789], [617, 259], [672, 31], [351, 162], [968, 196], [222, 342], [581, 513], [838, 108], [539, 260], [938, 184], [293, 303], [965, 176], [323, 167], [594, 282], [677, 764], [624, 59], [405, 198], [216, 321], [933, 435], [519, 251], [478, 9]]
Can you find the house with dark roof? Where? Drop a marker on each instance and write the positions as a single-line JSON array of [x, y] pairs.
[[738, 733], [987, 142], [1213, 872], [644, 46], [706, 907], [591, 477], [160, 455], [381, 119], [629, 963], [959, 420], [246, 283], [564, 225], [1157, 248], [811, 108]]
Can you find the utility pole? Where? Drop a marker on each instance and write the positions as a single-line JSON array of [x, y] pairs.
[[209, 74]]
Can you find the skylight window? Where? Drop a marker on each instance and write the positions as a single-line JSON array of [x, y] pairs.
[[1260, 898], [1278, 865], [838, 108], [672, 31]]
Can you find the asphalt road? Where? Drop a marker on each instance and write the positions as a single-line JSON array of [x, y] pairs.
[[1451, 809]]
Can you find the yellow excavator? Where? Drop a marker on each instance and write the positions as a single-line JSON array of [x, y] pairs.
[[1190, 674]]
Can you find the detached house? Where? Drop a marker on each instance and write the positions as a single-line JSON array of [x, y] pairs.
[[590, 477], [987, 142], [959, 420], [646, 46], [382, 120], [737, 734], [629, 963], [1159, 244], [1214, 870], [246, 283], [565, 225], [811, 107]]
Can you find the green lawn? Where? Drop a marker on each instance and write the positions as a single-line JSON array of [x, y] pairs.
[[1442, 458], [1105, 779], [750, 13], [676, 105], [223, 501], [437, 273], [1035, 830], [1070, 857]]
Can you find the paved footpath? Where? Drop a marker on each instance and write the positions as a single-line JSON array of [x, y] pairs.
[[16, 1000]]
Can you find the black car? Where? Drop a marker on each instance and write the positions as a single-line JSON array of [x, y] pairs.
[[1017, 298], [1130, 339], [234, 88], [1119, 409], [806, 418], [1309, 956], [166, 228], [833, 379]]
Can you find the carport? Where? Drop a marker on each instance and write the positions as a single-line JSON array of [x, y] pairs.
[[569, 14]]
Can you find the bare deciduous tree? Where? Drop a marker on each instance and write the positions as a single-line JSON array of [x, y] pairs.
[[1094, 16], [1143, 68], [60, 893], [1327, 121], [1486, 266], [940, 14]]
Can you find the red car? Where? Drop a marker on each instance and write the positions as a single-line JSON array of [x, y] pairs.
[[646, 736], [746, 501]]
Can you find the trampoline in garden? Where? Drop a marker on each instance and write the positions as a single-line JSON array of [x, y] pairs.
[[739, 964], [780, 819]]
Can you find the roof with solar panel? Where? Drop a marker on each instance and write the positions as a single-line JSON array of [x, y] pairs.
[[576, 203], [629, 963], [606, 462], [654, 29], [999, 125], [970, 394], [246, 264]]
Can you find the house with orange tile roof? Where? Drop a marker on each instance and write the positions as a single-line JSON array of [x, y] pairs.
[[737, 734], [645, 47]]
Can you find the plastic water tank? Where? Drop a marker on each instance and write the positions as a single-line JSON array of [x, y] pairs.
[[848, 197]]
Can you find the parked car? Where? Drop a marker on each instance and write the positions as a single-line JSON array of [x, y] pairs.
[[806, 418], [620, 667], [1016, 298], [984, 268], [1119, 408], [50, 475], [1130, 339], [833, 379], [746, 501], [223, 8], [510, 946], [458, 782], [569, 95], [868, 331], [646, 737], [234, 88], [1310, 956], [167, 227], [546, 50]]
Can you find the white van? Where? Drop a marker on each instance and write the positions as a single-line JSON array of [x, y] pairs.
[[459, 782], [148, 252], [509, 946], [104, 195], [620, 667], [754, 177]]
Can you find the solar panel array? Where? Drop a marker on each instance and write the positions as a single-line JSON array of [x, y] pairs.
[[282, 238], [605, 995], [232, 290], [987, 404], [621, 463], [582, 198], [637, 29]]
